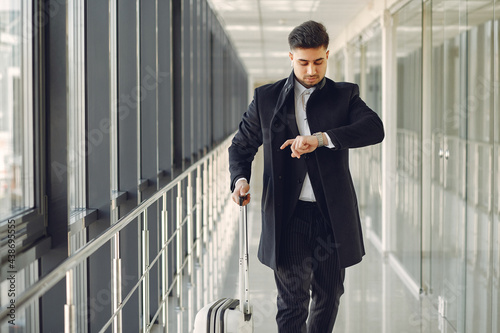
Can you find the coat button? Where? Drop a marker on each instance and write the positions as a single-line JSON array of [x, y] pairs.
[[279, 177]]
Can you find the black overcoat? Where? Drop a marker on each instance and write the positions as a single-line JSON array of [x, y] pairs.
[[334, 108]]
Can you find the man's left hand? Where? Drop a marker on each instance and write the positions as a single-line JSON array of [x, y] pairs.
[[302, 144]]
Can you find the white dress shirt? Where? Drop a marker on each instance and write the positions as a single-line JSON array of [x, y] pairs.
[[302, 95]]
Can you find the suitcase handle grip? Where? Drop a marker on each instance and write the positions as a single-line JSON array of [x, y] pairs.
[[243, 198], [243, 265]]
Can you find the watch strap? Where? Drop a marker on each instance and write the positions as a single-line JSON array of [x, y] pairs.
[[319, 136]]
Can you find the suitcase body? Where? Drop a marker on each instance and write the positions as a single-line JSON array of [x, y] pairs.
[[229, 315], [223, 316]]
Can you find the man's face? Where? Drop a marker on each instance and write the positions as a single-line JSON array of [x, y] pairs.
[[309, 65]]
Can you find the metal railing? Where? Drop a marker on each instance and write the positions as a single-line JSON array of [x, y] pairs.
[[203, 235]]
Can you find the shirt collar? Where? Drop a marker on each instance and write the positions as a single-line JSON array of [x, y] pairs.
[[299, 88]]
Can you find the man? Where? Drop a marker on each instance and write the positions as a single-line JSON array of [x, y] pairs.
[[311, 228]]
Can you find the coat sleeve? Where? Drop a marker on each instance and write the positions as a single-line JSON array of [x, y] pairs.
[[245, 144], [365, 127]]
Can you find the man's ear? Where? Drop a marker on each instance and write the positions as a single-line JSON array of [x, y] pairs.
[[327, 53], [290, 54]]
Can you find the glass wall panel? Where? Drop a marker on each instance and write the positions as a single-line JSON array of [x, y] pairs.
[[372, 94], [16, 112], [21, 227], [338, 68], [357, 160], [495, 269], [187, 97], [373, 49], [77, 145], [78, 148], [405, 234], [449, 115], [27, 318], [356, 62], [366, 65], [464, 155], [436, 276], [480, 166]]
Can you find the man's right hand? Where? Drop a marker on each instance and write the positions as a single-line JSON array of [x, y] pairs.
[[241, 189]]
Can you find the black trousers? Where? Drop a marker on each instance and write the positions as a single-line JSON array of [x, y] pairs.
[[308, 274]]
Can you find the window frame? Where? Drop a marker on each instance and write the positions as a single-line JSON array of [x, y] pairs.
[[31, 221]]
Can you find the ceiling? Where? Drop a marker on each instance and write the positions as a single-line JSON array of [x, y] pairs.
[[259, 28]]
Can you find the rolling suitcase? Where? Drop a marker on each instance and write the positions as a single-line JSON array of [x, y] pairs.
[[228, 315]]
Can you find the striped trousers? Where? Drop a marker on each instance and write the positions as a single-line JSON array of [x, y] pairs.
[[309, 278]]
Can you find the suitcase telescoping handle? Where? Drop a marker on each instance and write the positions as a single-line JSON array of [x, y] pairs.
[[243, 266]]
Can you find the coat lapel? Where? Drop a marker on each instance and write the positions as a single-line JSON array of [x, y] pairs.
[[284, 111], [284, 93], [291, 120]]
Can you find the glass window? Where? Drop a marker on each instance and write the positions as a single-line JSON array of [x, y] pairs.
[[356, 58], [338, 72], [373, 97], [365, 66], [496, 184], [78, 148], [16, 114], [27, 318], [77, 145], [448, 118], [479, 120], [373, 48], [405, 233]]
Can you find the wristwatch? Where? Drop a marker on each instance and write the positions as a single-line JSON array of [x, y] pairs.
[[319, 136]]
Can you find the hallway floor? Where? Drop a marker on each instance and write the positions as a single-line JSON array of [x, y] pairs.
[[375, 300]]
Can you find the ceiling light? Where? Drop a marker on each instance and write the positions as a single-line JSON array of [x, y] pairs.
[[242, 28], [278, 28]]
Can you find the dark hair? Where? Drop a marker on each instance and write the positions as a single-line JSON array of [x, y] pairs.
[[308, 35]]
